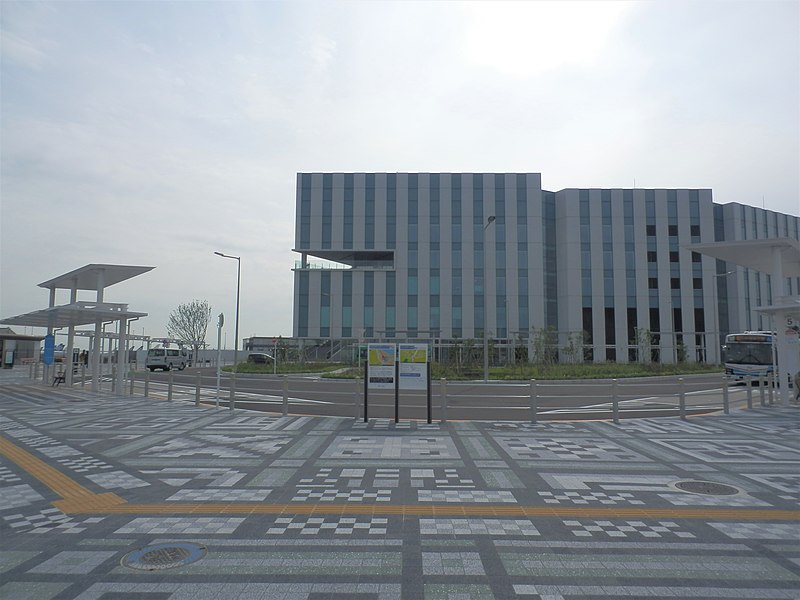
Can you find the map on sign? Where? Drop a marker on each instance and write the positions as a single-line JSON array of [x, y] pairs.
[[381, 356], [381, 366], [414, 355], [413, 367]]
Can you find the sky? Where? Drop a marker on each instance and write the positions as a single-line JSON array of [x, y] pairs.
[[156, 133]]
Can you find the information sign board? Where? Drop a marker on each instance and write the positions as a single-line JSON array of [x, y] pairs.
[[413, 368], [49, 349], [381, 365]]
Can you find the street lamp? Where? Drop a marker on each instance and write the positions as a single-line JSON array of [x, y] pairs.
[[489, 221], [238, 284], [718, 335]]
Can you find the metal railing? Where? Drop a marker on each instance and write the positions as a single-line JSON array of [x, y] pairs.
[[529, 401]]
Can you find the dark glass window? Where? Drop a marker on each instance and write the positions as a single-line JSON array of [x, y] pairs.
[[696, 257], [652, 256], [673, 230], [652, 283], [675, 283], [651, 230], [673, 257], [695, 230], [697, 283]]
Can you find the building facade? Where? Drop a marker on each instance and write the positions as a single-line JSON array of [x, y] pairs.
[[582, 274]]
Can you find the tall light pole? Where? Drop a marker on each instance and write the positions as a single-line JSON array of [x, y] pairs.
[[238, 260], [489, 221], [718, 335]]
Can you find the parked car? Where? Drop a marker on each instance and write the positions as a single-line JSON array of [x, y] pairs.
[[259, 358], [166, 359]]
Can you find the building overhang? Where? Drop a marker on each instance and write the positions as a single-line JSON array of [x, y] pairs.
[[755, 254], [353, 258]]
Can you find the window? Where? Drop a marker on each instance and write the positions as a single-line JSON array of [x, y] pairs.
[[673, 257], [697, 283], [695, 230], [652, 283], [673, 230], [696, 257], [651, 230], [675, 283], [652, 256]]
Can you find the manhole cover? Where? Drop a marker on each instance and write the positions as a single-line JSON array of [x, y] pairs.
[[707, 488], [164, 556]]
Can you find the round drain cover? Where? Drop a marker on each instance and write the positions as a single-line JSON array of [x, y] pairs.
[[707, 488], [164, 556]]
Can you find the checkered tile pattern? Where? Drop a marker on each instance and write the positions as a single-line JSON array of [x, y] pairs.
[[117, 480], [480, 496], [219, 495], [14, 496], [306, 495], [47, 520], [626, 529], [589, 498], [565, 449], [335, 526], [492, 527], [8, 476], [182, 525], [84, 464]]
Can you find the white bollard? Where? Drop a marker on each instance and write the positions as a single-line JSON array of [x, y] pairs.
[[443, 398], [534, 401]]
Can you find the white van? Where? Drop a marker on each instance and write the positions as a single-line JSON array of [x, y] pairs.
[[166, 359]]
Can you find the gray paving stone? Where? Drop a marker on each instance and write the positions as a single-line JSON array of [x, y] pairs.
[[335, 486]]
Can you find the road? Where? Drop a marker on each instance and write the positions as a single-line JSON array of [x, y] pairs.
[[585, 399]]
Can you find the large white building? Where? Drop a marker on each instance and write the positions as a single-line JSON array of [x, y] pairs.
[[598, 273]]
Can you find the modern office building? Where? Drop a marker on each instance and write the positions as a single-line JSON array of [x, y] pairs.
[[584, 274]]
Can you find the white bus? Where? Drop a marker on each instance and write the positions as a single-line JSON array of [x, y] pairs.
[[166, 359], [749, 354]]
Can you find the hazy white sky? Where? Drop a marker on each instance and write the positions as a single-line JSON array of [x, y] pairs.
[[154, 133]]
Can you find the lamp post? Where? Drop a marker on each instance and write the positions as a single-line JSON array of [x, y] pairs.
[[718, 335], [489, 221], [238, 260]]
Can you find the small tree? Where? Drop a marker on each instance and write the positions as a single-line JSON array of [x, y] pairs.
[[644, 339], [545, 345], [189, 322]]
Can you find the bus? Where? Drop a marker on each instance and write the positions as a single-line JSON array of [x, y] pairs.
[[166, 359], [749, 354]]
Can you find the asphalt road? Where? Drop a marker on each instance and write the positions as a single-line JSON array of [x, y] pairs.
[[584, 399]]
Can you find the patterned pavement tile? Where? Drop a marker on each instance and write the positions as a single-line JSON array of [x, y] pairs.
[[14, 496], [385, 511]]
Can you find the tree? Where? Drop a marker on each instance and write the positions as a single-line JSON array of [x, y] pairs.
[[189, 323]]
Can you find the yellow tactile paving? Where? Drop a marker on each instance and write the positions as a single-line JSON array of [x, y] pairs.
[[61, 484], [76, 499]]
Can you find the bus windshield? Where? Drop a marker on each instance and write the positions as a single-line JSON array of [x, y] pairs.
[[745, 353]]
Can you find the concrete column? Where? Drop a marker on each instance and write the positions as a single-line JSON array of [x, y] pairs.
[[98, 333], [122, 355], [785, 362], [73, 297]]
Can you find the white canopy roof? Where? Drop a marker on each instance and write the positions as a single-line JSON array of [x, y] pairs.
[[755, 254], [78, 313], [88, 277]]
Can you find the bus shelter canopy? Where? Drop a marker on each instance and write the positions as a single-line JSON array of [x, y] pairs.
[[73, 315], [93, 276]]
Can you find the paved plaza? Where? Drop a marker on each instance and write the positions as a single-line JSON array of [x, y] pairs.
[[100, 495]]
